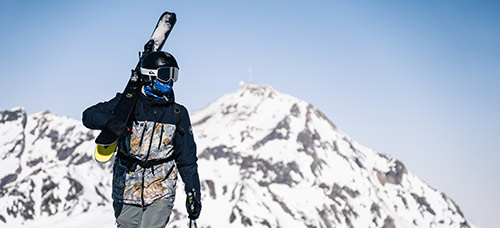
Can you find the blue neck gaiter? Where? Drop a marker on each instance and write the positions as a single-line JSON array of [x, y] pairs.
[[159, 89]]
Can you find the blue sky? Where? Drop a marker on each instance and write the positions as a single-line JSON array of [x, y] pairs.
[[417, 80]]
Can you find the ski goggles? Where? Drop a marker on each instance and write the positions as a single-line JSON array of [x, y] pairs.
[[163, 74]]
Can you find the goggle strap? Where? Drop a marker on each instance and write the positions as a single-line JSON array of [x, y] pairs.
[[173, 73], [149, 72]]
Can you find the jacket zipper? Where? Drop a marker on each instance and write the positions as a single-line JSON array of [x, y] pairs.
[[142, 189], [147, 157], [152, 136], [143, 170]]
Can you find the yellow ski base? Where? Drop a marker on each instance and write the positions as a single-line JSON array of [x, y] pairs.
[[104, 153]]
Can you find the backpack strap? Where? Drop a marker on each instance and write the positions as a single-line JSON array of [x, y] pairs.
[[132, 162], [177, 115]]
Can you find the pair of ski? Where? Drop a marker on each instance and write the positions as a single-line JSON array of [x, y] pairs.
[[107, 141]]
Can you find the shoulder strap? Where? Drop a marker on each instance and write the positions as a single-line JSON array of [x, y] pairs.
[[177, 114]]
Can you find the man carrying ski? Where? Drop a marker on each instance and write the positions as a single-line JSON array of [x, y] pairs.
[[154, 146]]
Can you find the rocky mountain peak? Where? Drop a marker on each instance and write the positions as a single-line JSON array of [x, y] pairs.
[[268, 148], [266, 159], [17, 113], [257, 91], [12, 123]]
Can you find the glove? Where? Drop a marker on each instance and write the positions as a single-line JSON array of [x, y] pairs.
[[193, 205], [117, 127]]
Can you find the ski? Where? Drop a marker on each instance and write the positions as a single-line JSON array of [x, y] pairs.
[[107, 141]]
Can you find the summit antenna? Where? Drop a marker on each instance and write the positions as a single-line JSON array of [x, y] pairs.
[[249, 74]]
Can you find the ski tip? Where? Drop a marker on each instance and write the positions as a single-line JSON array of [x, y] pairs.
[[169, 17], [171, 14], [163, 29]]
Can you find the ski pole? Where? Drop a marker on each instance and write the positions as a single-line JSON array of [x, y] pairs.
[[191, 223]]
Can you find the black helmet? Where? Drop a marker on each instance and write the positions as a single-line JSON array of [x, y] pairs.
[[161, 65]]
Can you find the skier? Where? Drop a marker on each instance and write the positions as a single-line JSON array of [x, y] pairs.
[[154, 146]]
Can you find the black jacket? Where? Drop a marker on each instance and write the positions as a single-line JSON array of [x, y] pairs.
[[154, 136]]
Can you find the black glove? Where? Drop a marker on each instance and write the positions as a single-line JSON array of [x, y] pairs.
[[117, 127], [193, 204]]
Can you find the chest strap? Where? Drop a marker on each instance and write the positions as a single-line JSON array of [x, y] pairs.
[[132, 162]]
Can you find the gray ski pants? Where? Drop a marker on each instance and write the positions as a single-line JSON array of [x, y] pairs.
[[155, 215]]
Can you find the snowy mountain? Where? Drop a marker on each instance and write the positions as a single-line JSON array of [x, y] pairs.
[[46, 168], [266, 160]]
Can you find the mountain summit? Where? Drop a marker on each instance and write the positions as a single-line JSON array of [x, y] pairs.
[[266, 160]]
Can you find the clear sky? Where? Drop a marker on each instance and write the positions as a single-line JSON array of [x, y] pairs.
[[419, 80]]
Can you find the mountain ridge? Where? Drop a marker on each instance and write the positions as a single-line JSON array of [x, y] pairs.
[[258, 150]]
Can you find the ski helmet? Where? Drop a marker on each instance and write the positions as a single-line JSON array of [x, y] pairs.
[[161, 65]]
